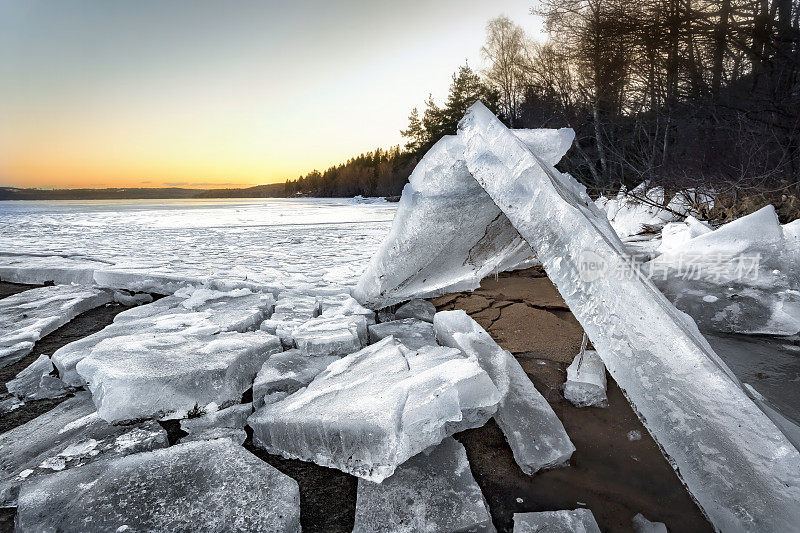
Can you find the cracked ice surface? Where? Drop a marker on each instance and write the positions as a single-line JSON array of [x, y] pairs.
[[536, 435], [211, 485], [154, 245], [742, 470], [191, 310], [473, 238], [28, 316], [369, 412], [432, 491], [141, 376], [68, 436]]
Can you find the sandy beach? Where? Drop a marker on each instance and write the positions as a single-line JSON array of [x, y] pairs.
[[616, 471]]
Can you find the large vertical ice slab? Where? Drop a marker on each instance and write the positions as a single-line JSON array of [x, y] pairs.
[[742, 470], [69, 436], [28, 316], [369, 412], [142, 376], [447, 234], [211, 485], [536, 435], [741, 278], [432, 491]]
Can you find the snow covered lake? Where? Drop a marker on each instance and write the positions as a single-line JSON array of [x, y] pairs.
[[289, 241]]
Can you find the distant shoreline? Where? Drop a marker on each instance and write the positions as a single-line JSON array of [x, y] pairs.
[[274, 190]]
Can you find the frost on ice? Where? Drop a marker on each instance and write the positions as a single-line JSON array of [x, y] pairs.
[[577, 521], [473, 238], [746, 474], [432, 491], [586, 381], [534, 432], [192, 310], [211, 485], [70, 435], [372, 410], [28, 316], [741, 278], [141, 376]]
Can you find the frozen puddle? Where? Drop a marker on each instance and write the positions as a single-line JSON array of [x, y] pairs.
[[28, 316], [198, 486]]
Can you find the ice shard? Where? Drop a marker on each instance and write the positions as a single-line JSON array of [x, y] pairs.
[[586, 381], [447, 234], [432, 491], [577, 521], [28, 316], [738, 465], [369, 412], [212, 485], [536, 435]]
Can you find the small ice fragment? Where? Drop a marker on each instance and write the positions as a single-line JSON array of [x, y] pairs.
[[643, 525], [634, 434], [419, 309], [586, 381], [577, 521], [334, 335], [520, 500]]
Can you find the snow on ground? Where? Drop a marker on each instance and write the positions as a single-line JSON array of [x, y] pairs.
[[291, 242]]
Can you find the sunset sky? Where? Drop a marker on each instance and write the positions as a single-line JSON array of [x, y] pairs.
[[197, 93]]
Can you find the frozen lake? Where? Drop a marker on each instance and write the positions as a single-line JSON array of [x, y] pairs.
[[290, 241]]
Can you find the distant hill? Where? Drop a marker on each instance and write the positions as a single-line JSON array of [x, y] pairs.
[[275, 190]]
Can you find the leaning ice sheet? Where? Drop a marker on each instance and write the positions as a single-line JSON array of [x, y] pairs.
[[742, 470], [447, 233]]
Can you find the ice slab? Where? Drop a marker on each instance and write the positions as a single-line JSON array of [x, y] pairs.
[[142, 376], [372, 410], [432, 491], [211, 485], [419, 309], [68, 436], [234, 416], [741, 469], [28, 316], [676, 234], [297, 306], [577, 521], [632, 214], [36, 383], [287, 372], [447, 234], [191, 310], [345, 305], [333, 335], [413, 333], [237, 436], [740, 278], [536, 435], [643, 525], [586, 381]]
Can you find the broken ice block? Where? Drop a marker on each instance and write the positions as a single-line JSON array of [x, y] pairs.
[[234, 416], [447, 234], [643, 525], [419, 309], [740, 278], [298, 306], [142, 376], [70, 435], [413, 333], [28, 316], [336, 335], [237, 436], [191, 310], [282, 326], [370, 411], [287, 372], [345, 305], [212, 485], [577, 521], [586, 381], [432, 491], [536, 435], [36, 383], [681, 388], [676, 234]]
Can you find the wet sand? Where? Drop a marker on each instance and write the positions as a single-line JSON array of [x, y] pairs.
[[610, 474]]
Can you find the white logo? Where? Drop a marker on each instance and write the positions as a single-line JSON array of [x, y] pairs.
[[591, 266]]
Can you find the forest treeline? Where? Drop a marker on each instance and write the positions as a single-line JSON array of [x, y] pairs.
[[683, 93]]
